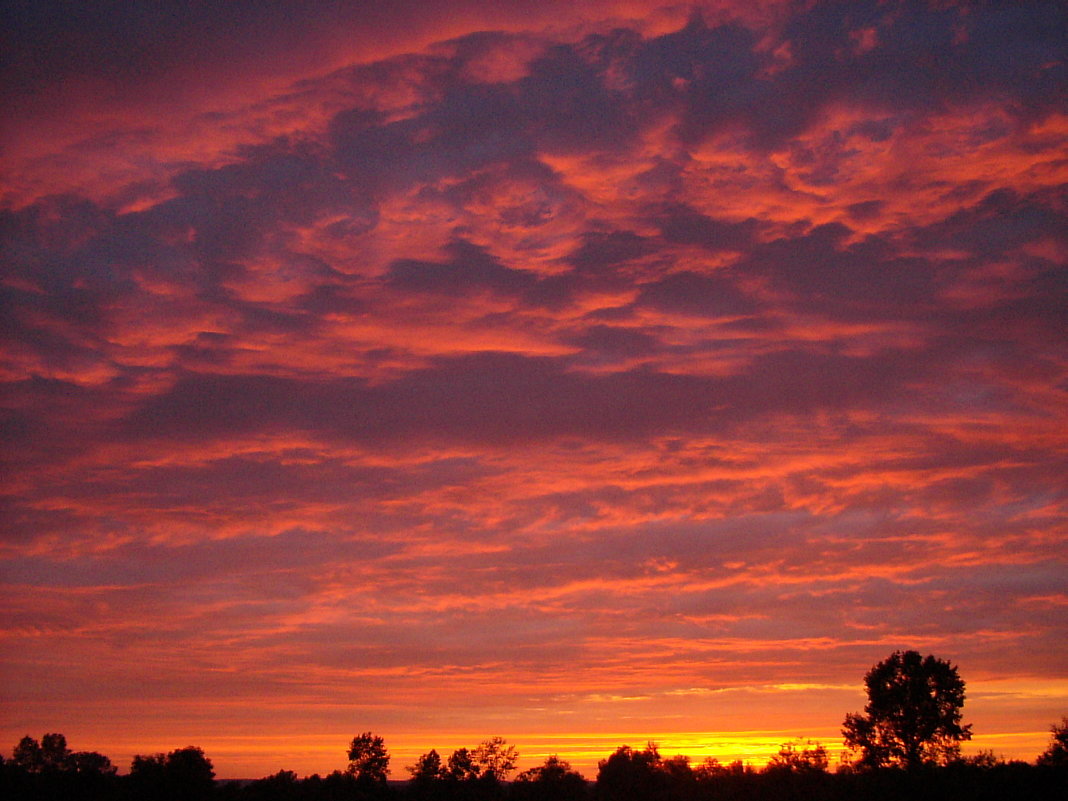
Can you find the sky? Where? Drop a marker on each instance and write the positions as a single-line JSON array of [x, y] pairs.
[[583, 374]]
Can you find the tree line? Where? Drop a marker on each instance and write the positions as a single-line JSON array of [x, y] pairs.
[[904, 745]]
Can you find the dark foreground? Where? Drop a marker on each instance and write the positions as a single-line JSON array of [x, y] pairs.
[[962, 782]]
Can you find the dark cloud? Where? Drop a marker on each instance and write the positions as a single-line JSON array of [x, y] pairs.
[[711, 75], [484, 398], [616, 343], [470, 270], [502, 398], [699, 295], [1002, 221], [153, 53], [685, 225], [600, 251], [826, 273]]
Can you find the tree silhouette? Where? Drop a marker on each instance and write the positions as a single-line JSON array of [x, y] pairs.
[[54, 752], [461, 766], [913, 713], [150, 767], [91, 763], [628, 775], [469, 773], [27, 755], [281, 786], [52, 755], [494, 757], [368, 759], [427, 768], [800, 756], [50, 771], [554, 780], [427, 775], [190, 771], [1056, 755], [184, 774]]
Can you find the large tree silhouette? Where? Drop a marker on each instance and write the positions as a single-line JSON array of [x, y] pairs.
[[368, 759], [1056, 754], [184, 774], [913, 715], [51, 754], [627, 775]]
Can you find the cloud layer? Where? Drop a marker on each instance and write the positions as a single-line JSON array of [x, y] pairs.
[[648, 374]]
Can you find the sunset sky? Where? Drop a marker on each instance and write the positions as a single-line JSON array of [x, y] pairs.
[[580, 373]]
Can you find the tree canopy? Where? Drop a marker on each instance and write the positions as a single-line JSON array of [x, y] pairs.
[[1056, 754], [368, 759], [184, 774], [554, 780], [913, 714], [629, 774], [800, 757], [495, 757], [51, 755]]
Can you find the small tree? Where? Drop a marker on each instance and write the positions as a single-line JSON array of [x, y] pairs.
[[1057, 753], [496, 758], [709, 769], [54, 752], [913, 715], [281, 786], [27, 755], [91, 763], [190, 773], [628, 775], [552, 781], [491, 761], [368, 759], [680, 775], [799, 756], [148, 770], [184, 774], [427, 768], [427, 775], [461, 766]]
